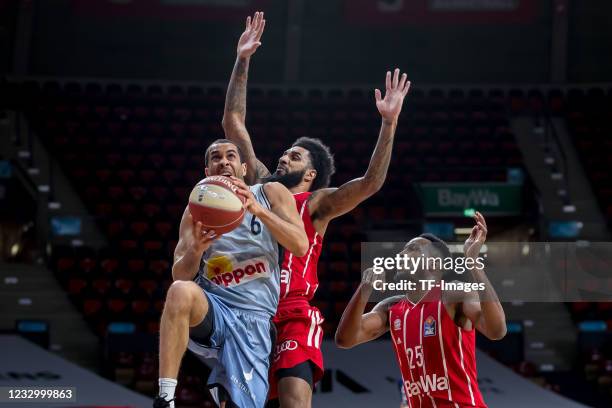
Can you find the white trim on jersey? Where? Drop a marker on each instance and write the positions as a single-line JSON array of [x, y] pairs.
[[422, 350], [319, 334], [409, 369], [288, 285], [315, 337], [314, 243], [312, 326], [469, 382], [399, 361], [450, 395]]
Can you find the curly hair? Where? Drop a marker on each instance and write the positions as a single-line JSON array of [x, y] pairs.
[[321, 160]]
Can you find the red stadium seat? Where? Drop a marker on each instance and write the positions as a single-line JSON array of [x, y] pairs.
[[153, 245], [136, 266], [159, 267], [64, 265], [139, 228], [91, 307], [124, 285], [116, 308], [116, 192], [148, 285], [101, 286], [151, 210], [75, 286]]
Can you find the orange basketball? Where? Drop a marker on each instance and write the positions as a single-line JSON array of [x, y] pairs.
[[215, 203]]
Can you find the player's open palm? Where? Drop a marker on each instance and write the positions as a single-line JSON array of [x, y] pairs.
[[249, 40], [477, 237], [396, 89]]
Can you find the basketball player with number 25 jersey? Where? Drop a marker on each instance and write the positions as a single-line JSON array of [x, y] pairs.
[[432, 330]]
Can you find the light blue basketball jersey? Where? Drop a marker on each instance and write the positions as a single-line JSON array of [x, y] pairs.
[[242, 267]]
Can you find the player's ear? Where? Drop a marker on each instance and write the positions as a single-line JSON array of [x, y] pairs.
[[310, 175], [244, 169], [206, 171]]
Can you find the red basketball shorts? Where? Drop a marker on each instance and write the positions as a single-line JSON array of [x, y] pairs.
[[298, 339]]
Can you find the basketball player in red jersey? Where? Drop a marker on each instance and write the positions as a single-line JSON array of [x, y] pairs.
[[432, 331], [305, 169]]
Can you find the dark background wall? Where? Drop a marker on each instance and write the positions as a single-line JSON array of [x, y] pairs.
[[8, 19], [69, 43], [431, 52], [334, 49], [590, 45]]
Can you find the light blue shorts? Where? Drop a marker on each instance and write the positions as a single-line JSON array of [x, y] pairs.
[[238, 353]]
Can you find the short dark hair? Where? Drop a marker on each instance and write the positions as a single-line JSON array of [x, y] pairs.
[[218, 141], [438, 243], [321, 159]]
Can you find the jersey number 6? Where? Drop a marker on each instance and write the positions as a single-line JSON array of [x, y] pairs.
[[255, 226]]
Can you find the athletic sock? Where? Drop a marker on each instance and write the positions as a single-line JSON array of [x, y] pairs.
[[166, 389]]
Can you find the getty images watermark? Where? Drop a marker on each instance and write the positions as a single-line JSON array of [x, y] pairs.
[[422, 271], [517, 271]]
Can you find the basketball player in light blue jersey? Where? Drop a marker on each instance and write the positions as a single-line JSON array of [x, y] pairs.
[[226, 289]]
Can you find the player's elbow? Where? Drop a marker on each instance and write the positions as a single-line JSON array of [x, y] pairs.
[[343, 341], [177, 273], [371, 186], [497, 333], [301, 246], [230, 121]]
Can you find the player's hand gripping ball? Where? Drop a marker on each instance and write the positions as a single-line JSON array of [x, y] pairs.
[[214, 202]]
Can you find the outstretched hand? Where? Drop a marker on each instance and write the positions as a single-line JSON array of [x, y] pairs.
[[477, 237], [396, 89], [249, 40]]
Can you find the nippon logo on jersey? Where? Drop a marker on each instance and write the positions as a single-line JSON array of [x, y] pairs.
[[287, 345], [426, 385], [429, 327], [223, 270], [397, 324]]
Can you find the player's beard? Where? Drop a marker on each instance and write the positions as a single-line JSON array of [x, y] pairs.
[[288, 180]]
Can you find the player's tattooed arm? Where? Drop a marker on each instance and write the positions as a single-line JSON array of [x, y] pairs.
[[234, 113], [193, 241], [283, 219], [357, 327], [333, 202], [483, 308]]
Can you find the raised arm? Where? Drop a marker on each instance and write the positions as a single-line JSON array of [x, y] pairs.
[[283, 219], [193, 241], [333, 202], [485, 311], [357, 327], [234, 113]]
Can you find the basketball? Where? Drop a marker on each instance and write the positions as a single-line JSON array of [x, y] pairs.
[[215, 203]]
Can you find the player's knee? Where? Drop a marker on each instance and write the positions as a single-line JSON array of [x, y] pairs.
[[179, 299], [295, 400], [294, 393]]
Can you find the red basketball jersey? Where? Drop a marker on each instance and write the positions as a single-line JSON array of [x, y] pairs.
[[299, 274], [436, 357]]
